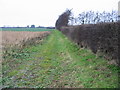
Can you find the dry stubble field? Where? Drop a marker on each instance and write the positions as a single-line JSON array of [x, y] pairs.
[[11, 38]]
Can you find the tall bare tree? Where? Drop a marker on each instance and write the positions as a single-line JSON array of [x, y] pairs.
[[63, 19]]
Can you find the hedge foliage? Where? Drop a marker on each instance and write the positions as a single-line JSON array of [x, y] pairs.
[[102, 37]]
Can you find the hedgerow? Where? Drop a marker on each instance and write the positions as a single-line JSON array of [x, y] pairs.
[[102, 37]]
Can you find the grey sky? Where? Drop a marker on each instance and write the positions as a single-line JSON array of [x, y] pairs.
[[46, 12]]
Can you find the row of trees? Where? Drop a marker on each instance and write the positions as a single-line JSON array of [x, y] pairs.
[[92, 17]]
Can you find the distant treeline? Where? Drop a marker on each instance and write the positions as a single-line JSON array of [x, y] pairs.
[[100, 37], [32, 26]]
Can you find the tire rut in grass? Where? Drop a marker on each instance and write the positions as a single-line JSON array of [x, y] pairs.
[[57, 63]]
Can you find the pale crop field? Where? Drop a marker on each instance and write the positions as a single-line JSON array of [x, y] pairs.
[[15, 37]]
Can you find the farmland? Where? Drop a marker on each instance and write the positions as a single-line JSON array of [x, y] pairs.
[[55, 62], [16, 38], [25, 29]]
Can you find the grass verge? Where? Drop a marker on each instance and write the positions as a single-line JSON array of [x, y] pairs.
[[57, 63]]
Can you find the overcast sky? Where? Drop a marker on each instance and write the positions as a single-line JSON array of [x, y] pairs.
[[46, 12]]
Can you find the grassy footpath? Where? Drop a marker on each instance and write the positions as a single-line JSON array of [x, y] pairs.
[[57, 63]]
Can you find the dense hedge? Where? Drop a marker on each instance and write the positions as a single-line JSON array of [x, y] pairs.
[[102, 37]]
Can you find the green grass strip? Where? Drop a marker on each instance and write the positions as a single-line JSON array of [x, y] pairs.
[[58, 63]]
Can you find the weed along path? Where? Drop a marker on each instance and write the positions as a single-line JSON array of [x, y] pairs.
[[56, 63]]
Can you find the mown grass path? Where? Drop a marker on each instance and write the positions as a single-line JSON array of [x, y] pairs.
[[57, 62]]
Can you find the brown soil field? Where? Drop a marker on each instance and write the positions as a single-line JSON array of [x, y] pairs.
[[16, 38]]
